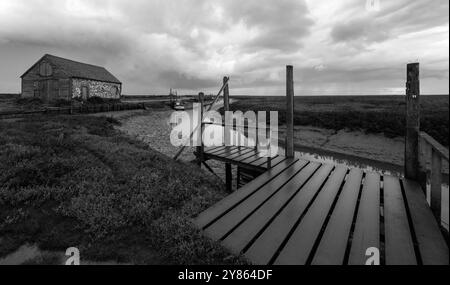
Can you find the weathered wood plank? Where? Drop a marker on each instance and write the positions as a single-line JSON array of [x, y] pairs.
[[251, 159], [216, 149], [222, 226], [246, 156], [332, 246], [241, 152], [432, 246], [399, 248], [440, 149], [261, 161], [367, 228], [267, 244], [240, 237], [226, 151], [274, 161], [231, 200]]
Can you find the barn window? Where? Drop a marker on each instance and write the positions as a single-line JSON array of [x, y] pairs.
[[45, 69]]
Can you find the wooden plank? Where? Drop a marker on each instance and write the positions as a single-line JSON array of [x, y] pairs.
[[432, 246], [367, 227], [222, 226], [399, 248], [302, 240], [228, 155], [217, 149], [435, 145], [240, 237], [244, 157], [226, 151], [240, 153], [333, 244], [231, 200], [260, 161], [267, 244], [275, 161], [212, 148], [251, 159]]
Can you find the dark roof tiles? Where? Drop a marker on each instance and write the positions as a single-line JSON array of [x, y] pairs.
[[79, 70]]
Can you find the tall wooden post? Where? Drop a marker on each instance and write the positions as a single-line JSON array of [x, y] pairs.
[[289, 111], [200, 149], [412, 167], [226, 107]]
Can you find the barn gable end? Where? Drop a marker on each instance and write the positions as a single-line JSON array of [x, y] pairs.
[[52, 78]]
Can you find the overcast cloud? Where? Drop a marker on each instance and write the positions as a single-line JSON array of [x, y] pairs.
[[336, 47]]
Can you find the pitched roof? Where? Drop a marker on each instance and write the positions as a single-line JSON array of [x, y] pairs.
[[78, 69]]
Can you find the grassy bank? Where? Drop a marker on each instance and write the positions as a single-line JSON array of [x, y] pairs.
[[373, 114], [75, 181]]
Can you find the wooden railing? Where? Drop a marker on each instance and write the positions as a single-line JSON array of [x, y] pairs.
[[432, 154], [419, 146], [238, 129]]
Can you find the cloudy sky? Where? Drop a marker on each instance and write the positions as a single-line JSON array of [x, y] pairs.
[[336, 47]]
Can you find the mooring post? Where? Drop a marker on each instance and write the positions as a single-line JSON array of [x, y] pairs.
[[289, 111], [412, 166], [227, 136], [200, 149]]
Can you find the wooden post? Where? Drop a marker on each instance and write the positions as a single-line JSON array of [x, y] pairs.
[[289, 111], [256, 133], [226, 107], [200, 149], [436, 182], [412, 167]]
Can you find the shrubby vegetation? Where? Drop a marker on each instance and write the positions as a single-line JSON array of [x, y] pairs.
[[373, 114], [75, 181]]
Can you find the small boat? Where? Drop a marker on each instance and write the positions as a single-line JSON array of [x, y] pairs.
[[178, 105]]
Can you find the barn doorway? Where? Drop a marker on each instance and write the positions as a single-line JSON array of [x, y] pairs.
[[84, 92], [44, 90]]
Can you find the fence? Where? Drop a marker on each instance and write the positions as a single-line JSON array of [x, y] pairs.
[[82, 109]]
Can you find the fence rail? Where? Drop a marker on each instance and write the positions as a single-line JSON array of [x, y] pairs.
[[433, 152], [78, 109]]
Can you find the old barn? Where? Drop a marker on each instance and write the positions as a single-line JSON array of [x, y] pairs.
[[52, 78]]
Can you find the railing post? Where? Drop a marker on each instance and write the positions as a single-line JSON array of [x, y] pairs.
[[412, 122], [227, 136], [436, 182], [289, 111], [200, 149]]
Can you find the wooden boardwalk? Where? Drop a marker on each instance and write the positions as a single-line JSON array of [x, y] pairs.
[[303, 212]]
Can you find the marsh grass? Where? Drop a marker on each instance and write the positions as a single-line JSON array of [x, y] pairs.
[[371, 114], [76, 181]]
